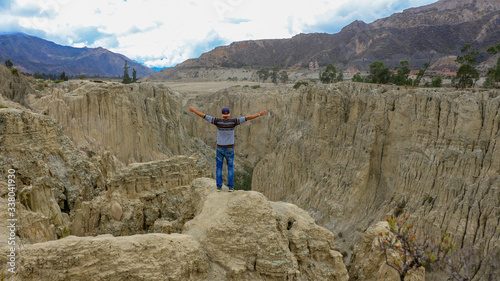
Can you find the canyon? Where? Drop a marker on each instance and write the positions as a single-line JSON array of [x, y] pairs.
[[102, 165]]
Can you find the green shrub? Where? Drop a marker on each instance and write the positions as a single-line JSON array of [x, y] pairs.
[[243, 180], [300, 83], [14, 71], [255, 86]]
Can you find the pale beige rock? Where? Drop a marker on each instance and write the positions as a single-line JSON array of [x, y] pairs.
[[14, 87], [138, 257], [142, 193], [138, 122], [353, 152], [252, 239], [50, 174], [116, 211]]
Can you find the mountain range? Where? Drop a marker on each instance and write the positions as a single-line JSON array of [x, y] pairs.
[[433, 33], [31, 54], [418, 35]]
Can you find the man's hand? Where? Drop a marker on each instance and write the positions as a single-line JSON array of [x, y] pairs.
[[263, 112], [202, 115]]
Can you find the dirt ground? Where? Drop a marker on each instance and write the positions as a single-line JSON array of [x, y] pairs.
[[188, 88]]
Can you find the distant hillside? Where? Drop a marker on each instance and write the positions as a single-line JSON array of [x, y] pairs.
[[417, 35], [31, 54]]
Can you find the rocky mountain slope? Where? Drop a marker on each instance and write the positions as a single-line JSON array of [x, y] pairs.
[[31, 54], [417, 35]]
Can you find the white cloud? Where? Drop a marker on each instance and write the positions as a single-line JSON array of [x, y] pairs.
[[163, 33]]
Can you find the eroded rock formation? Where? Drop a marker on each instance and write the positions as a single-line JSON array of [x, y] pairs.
[[354, 153], [136, 122], [233, 236]]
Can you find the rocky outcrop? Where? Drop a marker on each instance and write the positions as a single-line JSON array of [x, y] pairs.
[[233, 236], [14, 86], [138, 257], [250, 238], [51, 176], [144, 197]]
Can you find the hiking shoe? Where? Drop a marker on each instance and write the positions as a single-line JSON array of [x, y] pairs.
[[219, 189], [231, 190]]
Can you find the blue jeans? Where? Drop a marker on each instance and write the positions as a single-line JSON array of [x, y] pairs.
[[228, 153]]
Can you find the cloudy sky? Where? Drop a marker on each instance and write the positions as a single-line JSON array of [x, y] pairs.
[[163, 33]]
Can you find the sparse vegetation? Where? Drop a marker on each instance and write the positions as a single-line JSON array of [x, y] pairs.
[[9, 64], [329, 75], [243, 180], [467, 74], [63, 77], [274, 74], [404, 252], [494, 72], [300, 83], [283, 76], [402, 72], [134, 75], [379, 74], [263, 74], [14, 72], [437, 82], [126, 77], [421, 73], [357, 78], [65, 232]]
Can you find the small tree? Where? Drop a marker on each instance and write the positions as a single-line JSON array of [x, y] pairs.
[[340, 76], [411, 253], [437, 82], [494, 72], [134, 75], [274, 74], [357, 78], [403, 71], [283, 76], [263, 74], [300, 83], [126, 76], [420, 74], [379, 73], [329, 75], [9, 64], [467, 74], [63, 76]]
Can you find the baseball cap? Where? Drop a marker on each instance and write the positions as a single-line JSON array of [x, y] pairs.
[[225, 110]]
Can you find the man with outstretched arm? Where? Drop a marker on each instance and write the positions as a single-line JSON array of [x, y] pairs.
[[225, 141]]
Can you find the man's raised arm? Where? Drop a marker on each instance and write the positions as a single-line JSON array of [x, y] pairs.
[[202, 115], [263, 112]]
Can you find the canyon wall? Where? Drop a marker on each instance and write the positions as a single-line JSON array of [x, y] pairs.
[[352, 154], [136, 122]]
